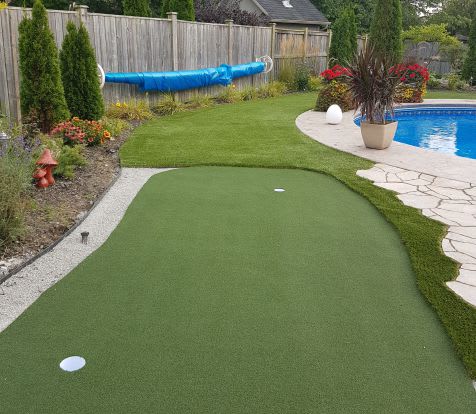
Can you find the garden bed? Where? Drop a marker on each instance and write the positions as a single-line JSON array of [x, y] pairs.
[[56, 209]]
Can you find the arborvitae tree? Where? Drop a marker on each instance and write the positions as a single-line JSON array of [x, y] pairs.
[[469, 67], [79, 74], [41, 90], [386, 30], [344, 37], [184, 8], [137, 8]]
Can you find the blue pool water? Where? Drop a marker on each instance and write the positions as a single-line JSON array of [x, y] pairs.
[[448, 130]]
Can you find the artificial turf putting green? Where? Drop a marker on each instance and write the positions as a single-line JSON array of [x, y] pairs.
[[218, 295]]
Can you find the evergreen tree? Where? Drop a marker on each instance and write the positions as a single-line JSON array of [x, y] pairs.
[[41, 91], [344, 37], [137, 8], [79, 74], [184, 8], [386, 30], [469, 67]]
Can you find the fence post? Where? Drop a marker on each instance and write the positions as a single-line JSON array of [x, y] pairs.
[[306, 35], [229, 22], [82, 12], [172, 16], [329, 40], [272, 46]]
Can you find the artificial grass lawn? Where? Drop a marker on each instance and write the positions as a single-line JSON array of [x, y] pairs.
[[218, 295], [263, 134], [444, 94]]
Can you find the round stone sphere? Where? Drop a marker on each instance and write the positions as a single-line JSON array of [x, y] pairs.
[[334, 115]]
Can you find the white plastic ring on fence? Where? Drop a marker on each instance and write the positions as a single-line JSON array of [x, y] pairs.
[[102, 76], [268, 61]]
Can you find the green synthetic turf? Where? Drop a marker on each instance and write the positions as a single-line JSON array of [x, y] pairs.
[[263, 134], [218, 295], [445, 94]]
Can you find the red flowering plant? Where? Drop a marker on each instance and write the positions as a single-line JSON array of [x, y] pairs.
[[78, 131], [335, 73], [413, 79]]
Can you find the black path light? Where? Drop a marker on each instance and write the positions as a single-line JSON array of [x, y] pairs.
[[84, 237]]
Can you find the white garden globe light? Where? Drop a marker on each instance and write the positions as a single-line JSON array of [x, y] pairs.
[[334, 115]]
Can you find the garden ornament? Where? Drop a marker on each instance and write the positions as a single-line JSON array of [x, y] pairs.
[[47, 163]]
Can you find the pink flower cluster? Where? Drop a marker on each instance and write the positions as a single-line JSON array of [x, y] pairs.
[[71, 133]]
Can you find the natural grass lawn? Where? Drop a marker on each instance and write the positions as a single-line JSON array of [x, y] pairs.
[[443, 94], [263, 134], [218, 295]]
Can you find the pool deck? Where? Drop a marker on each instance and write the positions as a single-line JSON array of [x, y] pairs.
[[442, 186]]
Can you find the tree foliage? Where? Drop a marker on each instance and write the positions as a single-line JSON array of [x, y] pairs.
[[79, 74], [344, 37], [430, 33], [213, 11], [386, 30], [456, 15], [136, 8], [41, 90], [469, 67], [184, 8]]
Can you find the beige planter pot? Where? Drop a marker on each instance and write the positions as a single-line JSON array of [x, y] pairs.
[[378, 136]]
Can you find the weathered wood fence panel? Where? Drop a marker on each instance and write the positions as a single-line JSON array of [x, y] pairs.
[[137, 44]]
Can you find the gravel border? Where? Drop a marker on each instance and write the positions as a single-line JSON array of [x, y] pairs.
[[27, 285]]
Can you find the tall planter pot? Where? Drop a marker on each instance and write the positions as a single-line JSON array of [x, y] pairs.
[[378, 136]]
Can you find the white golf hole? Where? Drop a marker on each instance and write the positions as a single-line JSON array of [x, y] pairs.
[[279, 190], [72, 363]]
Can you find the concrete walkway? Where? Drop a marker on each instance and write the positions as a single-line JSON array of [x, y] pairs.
[[442, 186]]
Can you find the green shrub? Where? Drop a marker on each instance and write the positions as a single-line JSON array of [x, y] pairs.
[[386, 30], [315, 83], [168, 106], [272, 89], [130, 111], [200, 101], [456, 83], [115, 126], [79, 74], [68, 157], [15, 181], [41, 91], [136, 8], [469, 67], [433, 82], [344, 37], [229, 94], [334, 93], [301, 78], [184, 8], [249, 93]]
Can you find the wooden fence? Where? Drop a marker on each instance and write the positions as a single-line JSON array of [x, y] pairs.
[[137, 44]]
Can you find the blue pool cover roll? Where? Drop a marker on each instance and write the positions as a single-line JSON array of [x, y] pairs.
[[186, 79]]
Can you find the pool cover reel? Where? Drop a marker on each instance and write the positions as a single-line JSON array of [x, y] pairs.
[[188, 79]]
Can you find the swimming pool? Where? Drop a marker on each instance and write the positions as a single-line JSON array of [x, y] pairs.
[[450, 130]]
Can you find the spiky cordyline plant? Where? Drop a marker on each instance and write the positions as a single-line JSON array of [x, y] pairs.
[[372, 85]]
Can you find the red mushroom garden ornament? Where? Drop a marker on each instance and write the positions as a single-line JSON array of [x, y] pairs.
[[47, 164]]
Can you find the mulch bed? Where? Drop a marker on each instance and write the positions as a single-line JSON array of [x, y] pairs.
[[54, 210]]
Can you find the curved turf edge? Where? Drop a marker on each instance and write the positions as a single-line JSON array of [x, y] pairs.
[[263, 134]]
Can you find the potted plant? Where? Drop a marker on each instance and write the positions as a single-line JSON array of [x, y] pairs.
[[372, 85]]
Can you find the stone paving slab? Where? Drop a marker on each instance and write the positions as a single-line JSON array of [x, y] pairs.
[[444, 200]]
